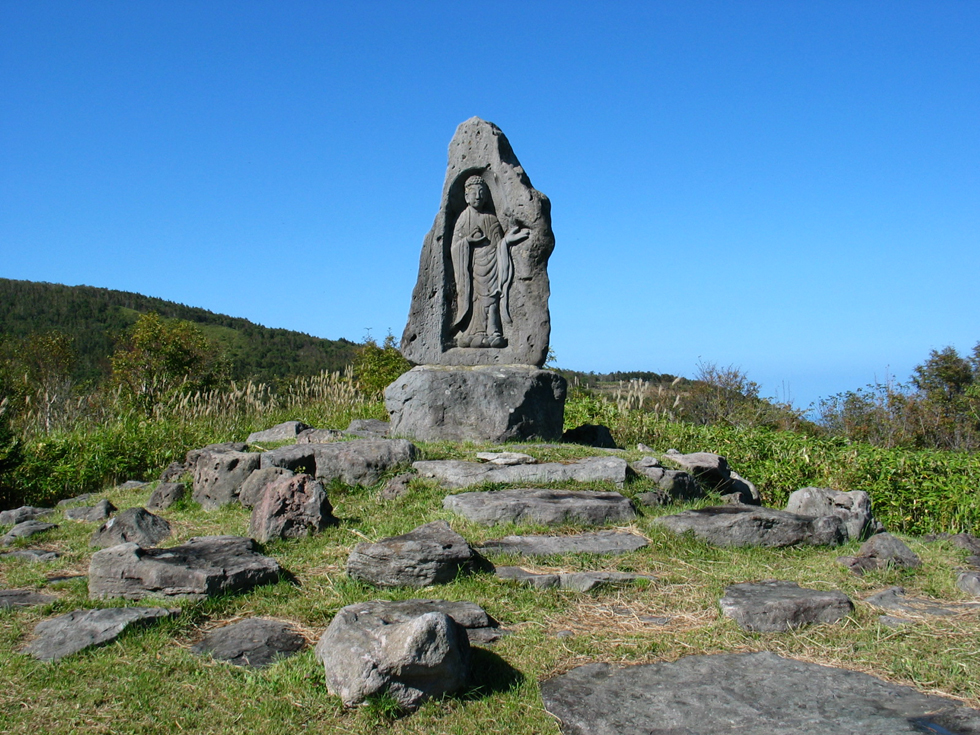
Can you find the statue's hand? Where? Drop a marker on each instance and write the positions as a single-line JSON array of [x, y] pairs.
[[516, 235]]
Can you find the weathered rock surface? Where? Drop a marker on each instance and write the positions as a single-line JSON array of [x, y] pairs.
[[674, 485], [442, 313], [774, 605], [745, 693], [319, 436], [397, 486], [969, 582], [25, 529], [255, 642], [967, 542], [881, 552], [66, 634], [280, 432], [453, 473], [92, 513], [744, 525], [365, 652], [575, 581], [218, 476], [895, 599], [76, 500], [174, 471], [256, 483], [854, 508], [590, 435], [133, 525], [713, 472], [291, 507], [493, 404], [203, 567], [479, 626], [165, 495], [33, 555], [547, 507], [430, 554], [192, 457], [23, 513], [23, 598], [369, 428], [506, 458], [601, 542], [357, 462]]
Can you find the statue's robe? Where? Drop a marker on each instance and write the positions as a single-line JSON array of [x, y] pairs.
[[483, 273]]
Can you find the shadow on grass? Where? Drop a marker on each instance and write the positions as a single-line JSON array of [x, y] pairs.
[[491, 675]]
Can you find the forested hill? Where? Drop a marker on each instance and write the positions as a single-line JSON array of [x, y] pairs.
[[96, 317]]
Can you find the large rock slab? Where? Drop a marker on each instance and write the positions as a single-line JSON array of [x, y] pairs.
[[291, 507], [882, 551], [218, 476], [23, 598], [25, 529], [854, 508], [368, 428], [774, 605], [91, 513], [454, 473], [358, 462], [744, 525], [203, 567], [482, 291], [672, 485], [80, 629], [287, 430], [479, 404], [430, 554], [547, 507], [602, 543], [365, 652], [575, 581], [895, 599], [133, 525], [255, 643], [744, 694], [23, 513], [258, 481]]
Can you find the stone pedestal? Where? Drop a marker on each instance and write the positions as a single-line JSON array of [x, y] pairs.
[[483, 403]]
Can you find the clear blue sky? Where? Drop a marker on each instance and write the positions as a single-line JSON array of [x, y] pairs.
[[788, 187]]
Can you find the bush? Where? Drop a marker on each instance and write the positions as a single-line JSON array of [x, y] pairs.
[[375, 368]]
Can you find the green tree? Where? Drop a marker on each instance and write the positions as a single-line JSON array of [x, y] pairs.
[[376, 367]]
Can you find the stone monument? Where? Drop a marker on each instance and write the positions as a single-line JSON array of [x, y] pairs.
[[478, 327]]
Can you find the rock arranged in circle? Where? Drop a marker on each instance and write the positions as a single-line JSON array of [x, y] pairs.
[[280, 432], [853, 508], [574, 581], [453, 473], [358, 462], [774, 605], [547, 507], [23, 598], [291, 507], [23, 513], [91, 513], [895, 599], [743, 525], [255, 642], [33, 555], [25, 529], [133, 525], [165, 495], [601, 543], [66, 634], [882, 551]]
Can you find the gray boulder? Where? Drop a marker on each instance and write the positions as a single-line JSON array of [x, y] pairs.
[[895, 599], [358, 462], [91, 513], [602, 543], [218, 476], [397, 486], [480, 628], [23, 598], [133, 525], [291, 507], [854, 508], [742, 693], [203, 567], [746, 525], [452, 473], [480, 404], [547, 507], [774, 605], [255, 643], [369, 428], [590, 435], [165, 495], [969, 582], [23, 513], [713, 472], [574, 581], [443, 316], [319, 436], [256, 483], [292, 457], [882, 551], [280, 432], [174, 471], [430, 554], [366, 653], [672, 484], [506, 458], [75, 631], [25, 529]]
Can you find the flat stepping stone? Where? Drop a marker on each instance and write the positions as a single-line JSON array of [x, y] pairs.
[[547, 507], [34, 555], [894, 598], [882, 551], [133, 525], [775, 606], [25, 529], [744, 693], [506, 458], [23, 598], [601, 542], [91, 513], [452, 473], [203, 567], [64, 635], [255, 643], [749, 525], [23, 513], [575, 581]]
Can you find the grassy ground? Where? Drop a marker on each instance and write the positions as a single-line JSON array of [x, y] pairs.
[[149, 682]]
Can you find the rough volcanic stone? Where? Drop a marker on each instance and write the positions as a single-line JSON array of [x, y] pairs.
[[218, 476], [191, 458], [165, 495], [175, 471], [969, 582], [23, 598], [590, 435], [92, 513], [894, 598], [319, 436], [23, 513], [66, 634], [358, 462], [397, 486], [854, 508], [280, 432], [509, 226], [364, 654], [676, 484], [711, 469], [34, 555], [77, 500], [480, 404], [601, 542], [256, 483], [291, 507], [746, 525], [740, 490], [25, 529], [292, 457], [774, 605], [132, 485], [429, 554], [575, 581], [506, 458], [479, 626], [133, 525], [881, 552], [453, 473], [547, 507], [965, 541], [203, 567], [531, 579], [255, 642], [369, 428], [744, 693]]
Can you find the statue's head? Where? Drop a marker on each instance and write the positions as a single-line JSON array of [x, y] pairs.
[[475, 191]]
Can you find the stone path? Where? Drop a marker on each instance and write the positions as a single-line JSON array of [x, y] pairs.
[[547, 507], [454, 473], [575, 581], [602, 542], [255, 643], [744, 525], [775, 605]]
